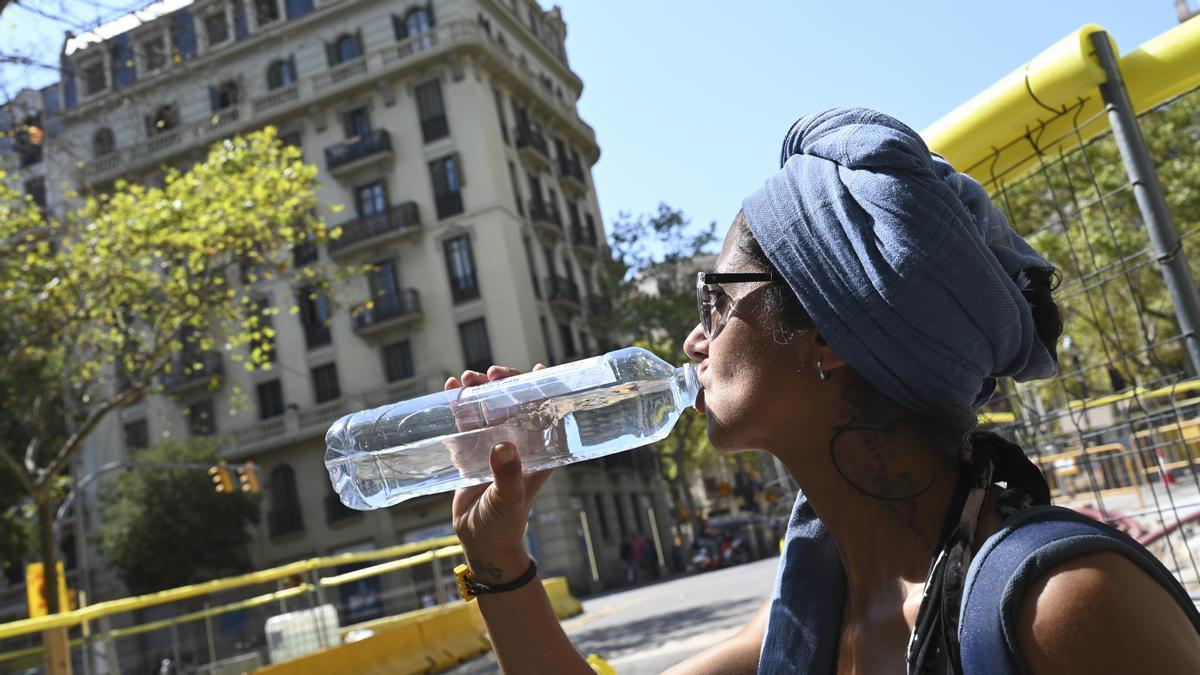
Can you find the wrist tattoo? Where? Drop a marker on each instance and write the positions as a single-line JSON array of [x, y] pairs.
[[492, 573]]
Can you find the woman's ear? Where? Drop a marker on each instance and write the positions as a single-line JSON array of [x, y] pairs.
[[828, 359]]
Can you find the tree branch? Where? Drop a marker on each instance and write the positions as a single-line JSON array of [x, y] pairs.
[[76, 439], [12, 465]]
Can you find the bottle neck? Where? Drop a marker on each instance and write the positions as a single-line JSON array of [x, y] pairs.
[[687, 383]]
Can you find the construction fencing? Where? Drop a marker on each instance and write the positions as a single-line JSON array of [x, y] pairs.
[[1075, 158], [241, 623]]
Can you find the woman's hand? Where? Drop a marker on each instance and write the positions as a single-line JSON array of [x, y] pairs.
[[490, 519]]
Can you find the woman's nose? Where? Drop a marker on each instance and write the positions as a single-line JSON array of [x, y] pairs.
[[696, 345]]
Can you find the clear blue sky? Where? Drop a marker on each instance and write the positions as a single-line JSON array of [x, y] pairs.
[[691, 99]]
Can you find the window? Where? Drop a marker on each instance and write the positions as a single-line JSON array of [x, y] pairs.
[[602, 516], [370, 199], [154, 54], [417, 22], [325, 383], [477, 352], [103, 143], [304, 254], [28, 139], [270, 399], [356, 123], [447, 189], [568, 340], [285, 515], [136, 434], [281, 73], [622, 526], [346, 48], [216, 28], [36, 189], [460, 263], [266, 11], [314, 315], [94, 80], [292, 138], [385, 289], [263, 346], [163, 120], [201, 420], [432, 111], [537, 290], [516, 188], [503, 122], [224, 95], [398, 361]]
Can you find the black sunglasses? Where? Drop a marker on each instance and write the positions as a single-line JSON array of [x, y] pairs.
[[714, 303]]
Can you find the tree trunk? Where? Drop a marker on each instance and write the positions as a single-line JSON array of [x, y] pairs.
[[54, 641]]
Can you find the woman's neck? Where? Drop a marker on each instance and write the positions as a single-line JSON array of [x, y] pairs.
[[882, 492]]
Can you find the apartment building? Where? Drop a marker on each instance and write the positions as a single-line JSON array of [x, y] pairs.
[[449, 132]]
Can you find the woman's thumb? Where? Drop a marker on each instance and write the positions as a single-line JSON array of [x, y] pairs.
[[508, 484]]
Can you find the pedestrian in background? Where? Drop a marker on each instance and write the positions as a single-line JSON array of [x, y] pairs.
[[627, 559]]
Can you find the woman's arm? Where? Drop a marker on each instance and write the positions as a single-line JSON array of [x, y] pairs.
[[1100, 613], [736, 654], [490, 522]]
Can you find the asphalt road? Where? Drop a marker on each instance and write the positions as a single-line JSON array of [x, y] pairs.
[[647, 629]]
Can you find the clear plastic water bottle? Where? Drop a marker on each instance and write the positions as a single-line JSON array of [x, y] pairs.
[[561, 415]]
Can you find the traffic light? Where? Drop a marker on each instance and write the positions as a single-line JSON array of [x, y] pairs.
[[222, 481], [248, 477]]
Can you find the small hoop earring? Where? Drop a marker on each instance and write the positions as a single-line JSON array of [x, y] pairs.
[[821, 372]]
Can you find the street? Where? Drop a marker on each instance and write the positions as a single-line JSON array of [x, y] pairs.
[[647, 629]]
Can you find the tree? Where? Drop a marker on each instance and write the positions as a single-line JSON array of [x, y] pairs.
[[1078, 209], [211, 527], [650, 275], [137, 283]]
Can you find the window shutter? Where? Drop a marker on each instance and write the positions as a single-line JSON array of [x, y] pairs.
[[458, 169], [429, 13], [213, 102], [292, 66], [359, 39], [331, 54], [400, 27]]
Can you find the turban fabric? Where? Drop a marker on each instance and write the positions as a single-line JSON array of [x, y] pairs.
[[912, 275]]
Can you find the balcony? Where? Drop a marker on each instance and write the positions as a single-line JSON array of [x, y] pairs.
[[100, 167], [546, 221], [562, 293], [570, 177], [357, 151], [367, 232], [583, 240], [387, 312], [340, 73], [532, 147], [193, 371], [276, 98]]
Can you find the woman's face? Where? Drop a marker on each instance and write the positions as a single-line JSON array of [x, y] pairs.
[[748, 378]]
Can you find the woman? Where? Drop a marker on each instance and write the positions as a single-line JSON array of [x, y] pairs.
[[862, 305]]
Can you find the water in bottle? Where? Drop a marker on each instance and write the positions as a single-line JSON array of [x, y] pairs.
[[561, 415]]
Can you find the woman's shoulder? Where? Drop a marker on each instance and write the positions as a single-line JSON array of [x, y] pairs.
[[1102, 612], [1069, 594]]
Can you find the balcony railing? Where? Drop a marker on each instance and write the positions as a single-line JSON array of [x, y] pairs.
[[355, 148], [582, 236], [187, 370], [544, 212], [395, 220], [276, 97], [570, 174], [563, 290], [385, 309], [532, 145], [340, 73]]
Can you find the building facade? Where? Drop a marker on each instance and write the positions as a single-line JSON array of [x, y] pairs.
[[449, 133]]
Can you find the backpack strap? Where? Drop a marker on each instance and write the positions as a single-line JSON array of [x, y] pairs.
[[1031, 542]]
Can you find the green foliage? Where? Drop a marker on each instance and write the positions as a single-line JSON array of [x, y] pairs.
[[134, 283], [1078, 209], [163, 528], [651, 277]]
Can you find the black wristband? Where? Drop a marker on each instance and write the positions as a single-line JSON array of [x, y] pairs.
[[468, 588]]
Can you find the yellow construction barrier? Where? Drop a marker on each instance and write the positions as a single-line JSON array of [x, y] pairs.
[[426, 640]]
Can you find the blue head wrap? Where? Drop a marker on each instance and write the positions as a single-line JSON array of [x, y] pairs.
[[909, 271]]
